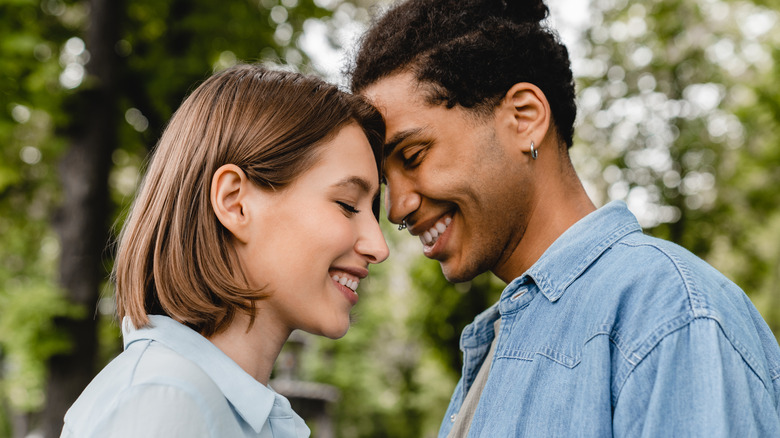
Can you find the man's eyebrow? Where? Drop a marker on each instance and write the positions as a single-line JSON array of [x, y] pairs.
[[361, 183], [395, 140]]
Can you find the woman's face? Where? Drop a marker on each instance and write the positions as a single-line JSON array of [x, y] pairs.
[[314, 240]]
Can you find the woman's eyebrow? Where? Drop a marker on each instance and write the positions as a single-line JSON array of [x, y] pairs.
[[360, 183]]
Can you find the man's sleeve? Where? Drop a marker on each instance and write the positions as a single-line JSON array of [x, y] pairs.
[[696, 383]]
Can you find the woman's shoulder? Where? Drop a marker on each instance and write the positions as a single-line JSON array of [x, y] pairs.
[[157, 364], [148, 386], [147, 363]]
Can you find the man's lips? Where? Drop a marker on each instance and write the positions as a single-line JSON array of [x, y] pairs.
[[435, 240], [417, 224], [430, 236], [429, 231]]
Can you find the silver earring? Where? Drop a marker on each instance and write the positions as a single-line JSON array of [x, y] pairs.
[[534, 152], [402, 226]]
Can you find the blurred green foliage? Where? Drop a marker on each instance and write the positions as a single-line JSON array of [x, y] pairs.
[[166, 48], [679, 116], [28, 336]]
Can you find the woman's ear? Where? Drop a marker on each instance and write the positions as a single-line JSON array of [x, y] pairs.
[[526, 111], [229, 190]]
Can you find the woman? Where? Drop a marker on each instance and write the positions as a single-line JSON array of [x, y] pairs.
[[257, 216]]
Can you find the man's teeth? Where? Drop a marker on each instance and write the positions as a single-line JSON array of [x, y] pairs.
[[344, 281], [429, 237]]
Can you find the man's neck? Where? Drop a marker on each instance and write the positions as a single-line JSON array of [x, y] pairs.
[[560, 202]]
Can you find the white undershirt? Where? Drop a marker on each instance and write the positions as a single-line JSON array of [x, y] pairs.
[[462, 422]]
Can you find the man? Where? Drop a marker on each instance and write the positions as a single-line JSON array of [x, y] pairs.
[[601, 330]]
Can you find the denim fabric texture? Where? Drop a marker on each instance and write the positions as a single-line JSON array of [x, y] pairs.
[[172, 382], [615, 333]]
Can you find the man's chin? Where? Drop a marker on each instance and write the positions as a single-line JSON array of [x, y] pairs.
[[457, 274]]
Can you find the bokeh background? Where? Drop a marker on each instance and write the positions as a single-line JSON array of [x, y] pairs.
[[679, 115]]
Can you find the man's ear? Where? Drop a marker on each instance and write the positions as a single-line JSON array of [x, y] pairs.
[[526, 111], [229, 190]]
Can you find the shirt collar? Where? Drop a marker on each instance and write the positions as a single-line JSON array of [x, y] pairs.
[[250, 398], [481, 330], [579, 246]]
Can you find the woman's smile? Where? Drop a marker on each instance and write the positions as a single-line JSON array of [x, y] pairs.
[[328, 227]]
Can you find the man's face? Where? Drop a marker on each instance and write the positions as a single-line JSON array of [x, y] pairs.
[[453, 179]]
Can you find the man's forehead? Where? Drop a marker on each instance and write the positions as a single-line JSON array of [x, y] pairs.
[[396, 88], [401, 101]]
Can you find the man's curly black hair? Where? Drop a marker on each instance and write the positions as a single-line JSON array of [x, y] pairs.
[[470, 53]]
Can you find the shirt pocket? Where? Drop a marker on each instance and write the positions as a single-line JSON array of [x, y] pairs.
[[567, 357], [555, 343]]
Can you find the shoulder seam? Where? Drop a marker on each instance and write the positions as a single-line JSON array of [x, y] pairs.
[[137, 362], [774, 373], [695, 300]]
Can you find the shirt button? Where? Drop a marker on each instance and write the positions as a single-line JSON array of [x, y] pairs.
[[519, 294], [452, 418]]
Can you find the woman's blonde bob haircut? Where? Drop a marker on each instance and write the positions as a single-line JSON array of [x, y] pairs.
[[174, 257]]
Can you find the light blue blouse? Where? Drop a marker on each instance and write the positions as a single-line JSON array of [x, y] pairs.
[[172, 382]]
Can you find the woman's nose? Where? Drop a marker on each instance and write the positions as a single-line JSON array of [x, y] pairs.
[[372, 244]]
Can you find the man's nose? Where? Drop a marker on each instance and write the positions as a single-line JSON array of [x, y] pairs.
[[401, 198]]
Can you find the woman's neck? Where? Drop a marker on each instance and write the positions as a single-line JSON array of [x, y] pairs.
[[254, 348]]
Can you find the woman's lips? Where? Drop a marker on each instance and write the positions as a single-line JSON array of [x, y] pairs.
[[347, 281]]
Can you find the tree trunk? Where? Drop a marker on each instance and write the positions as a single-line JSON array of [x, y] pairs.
[[83, 220]]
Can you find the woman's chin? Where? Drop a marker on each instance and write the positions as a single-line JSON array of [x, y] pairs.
[[336, 332], [333, 331]]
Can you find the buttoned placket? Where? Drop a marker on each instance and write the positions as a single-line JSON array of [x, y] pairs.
[[515, 297]]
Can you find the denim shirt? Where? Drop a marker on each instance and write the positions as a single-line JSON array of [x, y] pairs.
[[615, 333], [172, 382]]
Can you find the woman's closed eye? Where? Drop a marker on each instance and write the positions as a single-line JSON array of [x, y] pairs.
[[348, 208]]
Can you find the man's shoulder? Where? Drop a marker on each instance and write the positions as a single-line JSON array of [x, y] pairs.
[[649, 267], [650, 288]]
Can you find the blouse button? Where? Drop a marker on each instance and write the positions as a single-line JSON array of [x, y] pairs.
[[452, 418]]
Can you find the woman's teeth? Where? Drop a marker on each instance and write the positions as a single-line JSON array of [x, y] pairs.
[[344, 281], [431, 236]]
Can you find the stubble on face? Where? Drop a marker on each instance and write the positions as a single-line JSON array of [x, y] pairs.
[[494, 222], [471, 172]]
